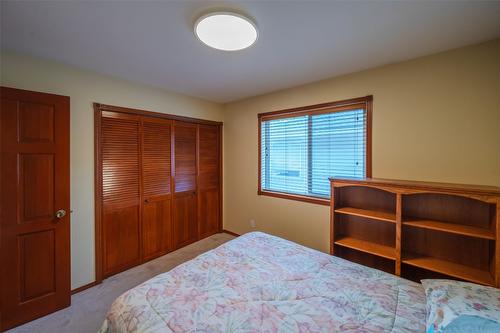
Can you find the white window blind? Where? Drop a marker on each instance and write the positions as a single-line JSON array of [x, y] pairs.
[[300, 153]]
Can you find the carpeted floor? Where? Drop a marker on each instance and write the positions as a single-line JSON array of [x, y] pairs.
[[88, 308]]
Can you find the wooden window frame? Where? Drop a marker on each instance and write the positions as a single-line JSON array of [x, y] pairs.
[[365, 103]]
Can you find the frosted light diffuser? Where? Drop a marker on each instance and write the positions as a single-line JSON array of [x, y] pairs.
[[226, 31]]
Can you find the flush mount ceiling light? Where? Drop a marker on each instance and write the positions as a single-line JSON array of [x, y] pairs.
[[226, 31]]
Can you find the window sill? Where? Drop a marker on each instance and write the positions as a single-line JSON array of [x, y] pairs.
[[296, 197]]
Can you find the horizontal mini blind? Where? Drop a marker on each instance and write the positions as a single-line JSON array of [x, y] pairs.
[[300, 153]]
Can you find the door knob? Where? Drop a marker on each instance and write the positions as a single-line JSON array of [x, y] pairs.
[[60, 213]]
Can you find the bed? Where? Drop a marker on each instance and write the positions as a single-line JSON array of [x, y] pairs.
[[262, 283]]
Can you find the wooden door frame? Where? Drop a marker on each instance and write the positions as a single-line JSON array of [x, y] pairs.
[[98, 109]]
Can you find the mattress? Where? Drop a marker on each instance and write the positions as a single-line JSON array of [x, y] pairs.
[[262, 283]]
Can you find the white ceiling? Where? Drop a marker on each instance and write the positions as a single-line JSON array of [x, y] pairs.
[[299, 41]]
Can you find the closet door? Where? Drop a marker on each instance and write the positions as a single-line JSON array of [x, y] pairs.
[[156, 187], [120, 191], [185, 229], [208, 180]]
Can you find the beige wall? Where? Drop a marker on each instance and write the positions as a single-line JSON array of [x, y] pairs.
[[84, 88], [435, 118]]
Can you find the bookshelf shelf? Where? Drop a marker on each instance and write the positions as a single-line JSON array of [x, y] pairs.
[[367, 247], [454, 228], [367, 213], [449, 268]]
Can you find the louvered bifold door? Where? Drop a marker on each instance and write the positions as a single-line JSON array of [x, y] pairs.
[[120, 139], [208, 180], [185, 229], [156, 187]]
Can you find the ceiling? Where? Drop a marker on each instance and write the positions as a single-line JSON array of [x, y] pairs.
[[299, 41]]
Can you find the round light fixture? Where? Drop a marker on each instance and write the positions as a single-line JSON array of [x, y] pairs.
[[226, 31]]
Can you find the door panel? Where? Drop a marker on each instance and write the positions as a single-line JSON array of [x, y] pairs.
[[120, 191], [157, 228], [209, 180], [34, 252], [34, 261], [36, 122], [37, 202], [121, 234], [156, 180], [184, 218], [185, 157], [209, 212], [185, 200]]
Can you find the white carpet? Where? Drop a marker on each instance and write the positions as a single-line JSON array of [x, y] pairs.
[[89, 307]]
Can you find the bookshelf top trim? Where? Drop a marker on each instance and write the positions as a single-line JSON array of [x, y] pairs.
[[419, 186]]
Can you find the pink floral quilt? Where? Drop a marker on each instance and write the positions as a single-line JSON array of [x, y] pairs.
[[261, 283]]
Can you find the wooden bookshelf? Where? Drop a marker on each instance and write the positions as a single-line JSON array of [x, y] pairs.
[[367, 247], [449, 268], [371, 214], [449, 229], [454, 228]]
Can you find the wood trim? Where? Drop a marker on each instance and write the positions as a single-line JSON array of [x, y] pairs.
[[332, 218], [337, 106], [341, 105], [259, 156], [496, 265], [97, 194], [84, 287], [406, 186], [296, 197], [105, 107], [368, 144], [221, 176], [230, 233], [399, 214]]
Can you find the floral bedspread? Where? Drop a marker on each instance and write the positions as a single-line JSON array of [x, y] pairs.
[[261, 283]]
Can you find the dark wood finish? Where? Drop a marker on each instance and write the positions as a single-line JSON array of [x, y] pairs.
[[176, 183], [121, 194], [35, 245], [448, 229], [365, 103], [399, 201], [209, 196], [296, 197], [342, 105], [156, 187], [121, 109], [185, 184]]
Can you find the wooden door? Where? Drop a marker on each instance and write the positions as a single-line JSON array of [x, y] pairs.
[[120, 193], [208, 180], [156, 187], [185, 229], [35, 250]]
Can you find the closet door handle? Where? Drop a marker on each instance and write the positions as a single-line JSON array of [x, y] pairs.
[[146, 200]]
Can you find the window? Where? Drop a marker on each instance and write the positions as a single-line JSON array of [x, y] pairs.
[[301, 148]]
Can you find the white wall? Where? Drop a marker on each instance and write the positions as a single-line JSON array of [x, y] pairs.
[[84, 88]]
